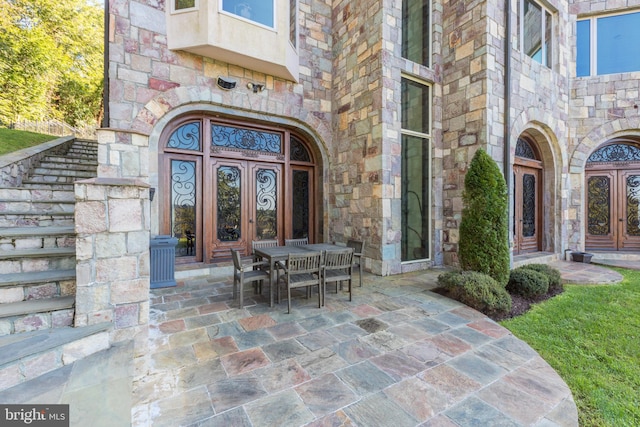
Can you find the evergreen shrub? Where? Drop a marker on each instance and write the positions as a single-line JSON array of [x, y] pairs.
[[552, 273], [477, 290], [484, 228], [528, 283]]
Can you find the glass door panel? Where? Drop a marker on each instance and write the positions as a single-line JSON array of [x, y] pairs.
[[301, 213], [527, 212], [630, 208], [267, 209], [229, 211], [601, 232]]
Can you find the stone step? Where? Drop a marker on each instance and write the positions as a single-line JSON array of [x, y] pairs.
[[36, 306], [36, 219], [36, 277], [38, 253], [42, 206], [51, 179], [72, 160], [45, 194], [56, 165], [61, 172], [44, 259], [51, 349], [51, 186], [20, 238]]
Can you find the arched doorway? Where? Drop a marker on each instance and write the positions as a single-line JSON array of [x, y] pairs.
[[612, 176], [224, 183], [527, 212]]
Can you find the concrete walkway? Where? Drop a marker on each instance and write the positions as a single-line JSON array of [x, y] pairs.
[[396, 355]]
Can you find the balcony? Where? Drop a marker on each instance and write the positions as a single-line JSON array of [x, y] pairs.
[[254, 34]]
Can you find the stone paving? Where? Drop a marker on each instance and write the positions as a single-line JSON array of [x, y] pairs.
[[398, 354]]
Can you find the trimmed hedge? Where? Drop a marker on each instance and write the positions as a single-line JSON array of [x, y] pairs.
[[528, 283], [484, 228], [477, 290], [553, 275]]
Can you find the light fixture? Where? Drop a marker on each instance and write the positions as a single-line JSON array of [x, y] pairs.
[[152, 192], [255, 87], [226, 83]]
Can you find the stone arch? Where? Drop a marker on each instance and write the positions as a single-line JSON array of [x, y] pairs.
[[543, 128], [170, 105], [628, 126]]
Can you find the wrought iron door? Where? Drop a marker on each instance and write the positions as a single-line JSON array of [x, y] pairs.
[[527, 209], [613, 216], [246, 204]]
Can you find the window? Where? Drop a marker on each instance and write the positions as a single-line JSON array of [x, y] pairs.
[[183, 4], [416, 160], [534, 26], [293, 22], [608, 44], [259, 11], [416, 31]]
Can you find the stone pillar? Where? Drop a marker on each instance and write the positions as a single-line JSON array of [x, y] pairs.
[[112, 250]]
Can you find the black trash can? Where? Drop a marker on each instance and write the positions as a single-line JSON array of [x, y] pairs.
[[163, 260]]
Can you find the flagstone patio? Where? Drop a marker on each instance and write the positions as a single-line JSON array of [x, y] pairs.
[[398, 354]]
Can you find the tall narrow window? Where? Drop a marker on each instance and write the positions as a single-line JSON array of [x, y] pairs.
[[293, 22], [535, 31], [416, 31], [183, 206], [416, 158]]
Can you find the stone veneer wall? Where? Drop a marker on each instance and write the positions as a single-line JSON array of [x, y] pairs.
[[147, 84], [474, 107], [602, 108]]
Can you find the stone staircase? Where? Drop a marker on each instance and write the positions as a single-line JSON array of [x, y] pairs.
[[37, 242]]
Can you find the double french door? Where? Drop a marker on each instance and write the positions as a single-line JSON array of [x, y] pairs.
[[226, 185], [613, 217]]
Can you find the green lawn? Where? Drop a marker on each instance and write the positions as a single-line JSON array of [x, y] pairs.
[[14, 140], [591, 337]]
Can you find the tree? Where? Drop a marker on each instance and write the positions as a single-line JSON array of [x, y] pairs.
[[50, 60], [484, 229]]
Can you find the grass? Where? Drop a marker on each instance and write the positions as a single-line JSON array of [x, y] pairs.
[[591, 337], [14, 140]]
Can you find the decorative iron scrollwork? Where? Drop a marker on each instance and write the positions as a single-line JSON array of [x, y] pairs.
[[524, 149], [186, 137], [245, 139], [633, 204], [598, 197], [183, 205], [615, 153], [528, 205], [298, 150], [266, 204], [229, 204]]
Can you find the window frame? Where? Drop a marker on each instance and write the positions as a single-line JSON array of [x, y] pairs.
[[196, 6], [251, 21], [547, 57], [429, 24], [593, 43], [428, 140]]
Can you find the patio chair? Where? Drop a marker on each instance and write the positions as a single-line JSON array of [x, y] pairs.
[[296, 242], [358, 252], [257, 244], [244, 272], [302, 270], [338, 267]]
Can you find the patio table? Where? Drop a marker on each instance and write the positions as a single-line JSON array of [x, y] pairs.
[[281, 253]]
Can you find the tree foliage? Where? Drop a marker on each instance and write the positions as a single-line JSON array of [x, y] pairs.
[[51, 59], [484, 228]]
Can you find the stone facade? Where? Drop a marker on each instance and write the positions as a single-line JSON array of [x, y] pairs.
[[347, 102]]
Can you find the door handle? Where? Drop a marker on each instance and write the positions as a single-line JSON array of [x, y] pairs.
[[251, 221]]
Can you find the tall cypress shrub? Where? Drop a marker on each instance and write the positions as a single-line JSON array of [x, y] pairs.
[[484, 229]]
